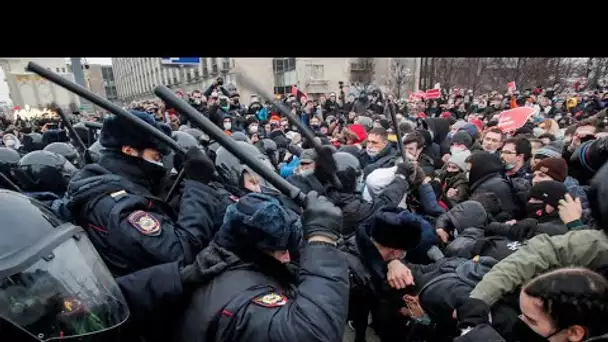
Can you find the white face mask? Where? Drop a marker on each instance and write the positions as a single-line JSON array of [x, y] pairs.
[[253, 129], [227, 125], [456, 149], [307, 172], [372, 153]]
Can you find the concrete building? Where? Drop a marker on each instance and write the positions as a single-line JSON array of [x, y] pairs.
[[27, 88], [136, 77]]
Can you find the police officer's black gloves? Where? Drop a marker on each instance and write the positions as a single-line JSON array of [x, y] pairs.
[[472, 312], [198, 166], [325, 165], [321, 217]]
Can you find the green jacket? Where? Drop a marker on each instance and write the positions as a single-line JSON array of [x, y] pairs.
[[543, 253]]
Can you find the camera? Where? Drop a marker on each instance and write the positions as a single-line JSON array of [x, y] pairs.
[[341, 84]]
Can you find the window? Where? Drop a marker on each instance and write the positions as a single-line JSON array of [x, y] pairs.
[[226, 63], [197, 74], [291, 64], [62, 69], [316, 71], [290, 78], [57, 69], [188, 77]]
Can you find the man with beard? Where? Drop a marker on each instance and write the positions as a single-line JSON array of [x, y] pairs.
[[117, 200]]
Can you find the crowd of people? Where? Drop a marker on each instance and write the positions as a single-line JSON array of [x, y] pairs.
[[441, 227]]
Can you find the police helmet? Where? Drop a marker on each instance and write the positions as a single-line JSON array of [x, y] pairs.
[[44, 171], [231, 168], [53, 284], [9, 159], [240, 136], [212, 150], [66, 150], [32, 142], [95, 151], [184, 139], [269, 148], [82, 131], [348, 170]]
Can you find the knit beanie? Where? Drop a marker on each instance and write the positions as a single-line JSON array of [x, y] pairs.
[[549, 192], [556, 168], [459, 159], [462, 138], [549, 151]]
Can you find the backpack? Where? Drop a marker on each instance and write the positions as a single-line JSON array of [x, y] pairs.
[[496, 247]]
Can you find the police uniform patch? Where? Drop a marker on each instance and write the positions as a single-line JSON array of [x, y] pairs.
[[144, 223], [271, 300]]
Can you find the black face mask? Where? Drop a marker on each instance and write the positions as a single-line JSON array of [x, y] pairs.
[[315, 127], [522, 332], [535, 210], [153, 172], [450, 174]]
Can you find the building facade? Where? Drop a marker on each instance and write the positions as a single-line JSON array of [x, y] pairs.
[[135, 78], [27, 88]]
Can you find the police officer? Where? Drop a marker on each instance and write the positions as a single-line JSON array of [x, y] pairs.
[[45, 176], [247, 292], [53, 285], [116, 200]]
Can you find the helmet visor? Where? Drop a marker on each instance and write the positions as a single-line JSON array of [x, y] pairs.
[[68, 293]]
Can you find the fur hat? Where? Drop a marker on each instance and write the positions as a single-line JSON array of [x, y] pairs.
[[261, 222], [118, 132], [389, 230]]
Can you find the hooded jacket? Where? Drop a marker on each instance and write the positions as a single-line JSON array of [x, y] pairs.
[[487, 175]]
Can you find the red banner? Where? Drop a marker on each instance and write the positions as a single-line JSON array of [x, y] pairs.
[[433, 94], [513, 119]]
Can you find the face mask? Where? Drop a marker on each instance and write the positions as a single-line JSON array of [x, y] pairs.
[[236, 102], [450, 174], [456, 149], [253, 129], [153, 170], [315, 127], [305, 173], [197, 101], [522, 332], [509, 166], [372, 153], [360, 185], [535, 209], [227, 126], [225, 108]]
